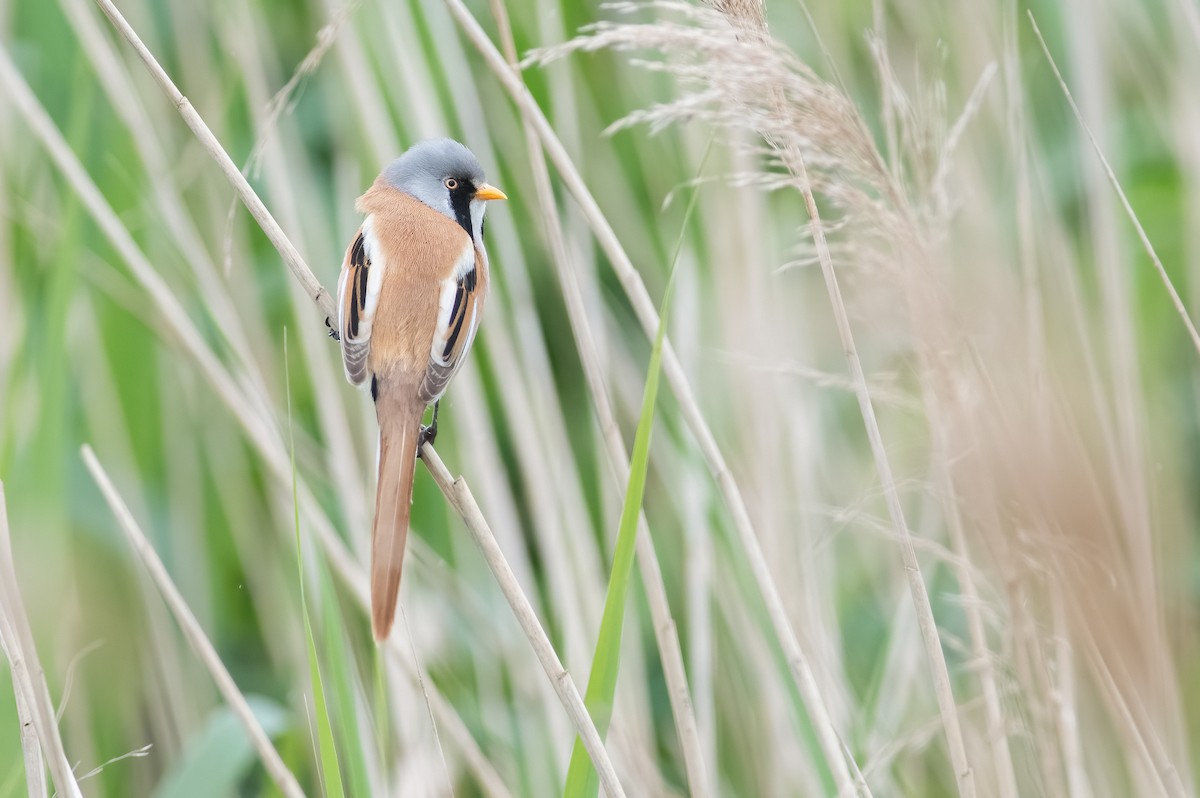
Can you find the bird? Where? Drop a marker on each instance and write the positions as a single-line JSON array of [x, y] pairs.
[[410, 295]]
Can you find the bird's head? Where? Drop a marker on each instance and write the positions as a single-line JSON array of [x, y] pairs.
[[444, 175]]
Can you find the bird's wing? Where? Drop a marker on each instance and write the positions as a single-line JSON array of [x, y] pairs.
[[358, 296], [459, 307]]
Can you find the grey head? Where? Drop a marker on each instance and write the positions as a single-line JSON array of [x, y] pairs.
[[444, 175]]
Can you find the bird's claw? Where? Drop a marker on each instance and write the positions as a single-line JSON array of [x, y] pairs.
[[428, 434]]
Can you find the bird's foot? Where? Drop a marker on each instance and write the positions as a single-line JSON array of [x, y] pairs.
[[332, 332], [428, 434]]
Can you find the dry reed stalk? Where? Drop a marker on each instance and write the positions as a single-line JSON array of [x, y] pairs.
[[749, 30], [572, 586], [39, 724], [1133, 455], [1176, 300], [367, 101], [419, 668], [257, 430], [996, 728], [354, 578], [312, 287], [481, 449], [1068, 550], [643, 306], [926, 622], [1164, 778], [116, 83], [891, 150], [171, 310], [528, 350], [744, 80], [628, 276], [274, 233], [260, 432], [698, 587], [670, 652], [459, 496], [448, 720], [287, 179], [283, 97], [926, 356], [531, 460], [192, 631], [245, 408], [31, 752], [1066, 715], [1046, 669], [516, 344], [1018, 143], [1123, 371]]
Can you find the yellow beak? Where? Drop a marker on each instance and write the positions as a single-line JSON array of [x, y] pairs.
[[487, 192]]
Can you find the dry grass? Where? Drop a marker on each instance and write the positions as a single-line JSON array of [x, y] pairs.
[[986, 378], [192, 631], [896, 219], [41, 741]]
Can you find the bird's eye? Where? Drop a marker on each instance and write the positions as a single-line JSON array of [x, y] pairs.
[[451, 183]]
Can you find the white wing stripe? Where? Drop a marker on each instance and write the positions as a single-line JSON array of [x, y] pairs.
[[341, 303], [374, 281], [374, 276], [466, 262]]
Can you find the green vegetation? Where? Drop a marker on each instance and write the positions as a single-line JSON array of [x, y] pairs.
[[602, 680], [331, 769], [952, 429]]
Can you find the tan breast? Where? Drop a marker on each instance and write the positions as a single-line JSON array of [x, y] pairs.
[[420, 248]]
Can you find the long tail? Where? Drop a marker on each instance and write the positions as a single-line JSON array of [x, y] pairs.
[[399, 428]]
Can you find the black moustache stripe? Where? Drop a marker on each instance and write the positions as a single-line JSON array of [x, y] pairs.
[[460, 201]]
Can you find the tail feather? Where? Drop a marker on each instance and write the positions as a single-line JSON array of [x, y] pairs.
[[398, 432]]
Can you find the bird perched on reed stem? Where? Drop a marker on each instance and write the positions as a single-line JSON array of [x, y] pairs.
[[410, 296]]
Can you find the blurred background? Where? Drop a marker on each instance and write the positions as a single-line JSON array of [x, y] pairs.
[[1033, 382]]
